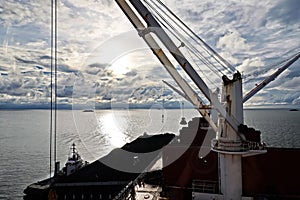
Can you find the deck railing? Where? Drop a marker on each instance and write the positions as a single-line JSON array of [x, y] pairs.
[[205, 186], [234, 146]]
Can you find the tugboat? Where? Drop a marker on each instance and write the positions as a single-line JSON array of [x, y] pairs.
[[41, 189], [74, 163], [98, 180]]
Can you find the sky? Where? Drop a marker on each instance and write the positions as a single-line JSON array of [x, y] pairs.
[[102, 61]]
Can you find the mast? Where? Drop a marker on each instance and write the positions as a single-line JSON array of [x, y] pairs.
[[230, 146]]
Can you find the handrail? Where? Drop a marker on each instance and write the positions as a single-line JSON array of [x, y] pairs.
[[205, 186], [135, 182], [233, 146]]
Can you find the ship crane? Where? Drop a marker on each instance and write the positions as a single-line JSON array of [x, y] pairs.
[[154, 27], [146, 16], [271, 78]]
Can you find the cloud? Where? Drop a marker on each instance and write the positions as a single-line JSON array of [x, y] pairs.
[[251, 65], [286, 12], [10, 85], [65, 68], [131, 73], [22, 13], [291, 85], [232, 42], [95, 68], [92, 35]]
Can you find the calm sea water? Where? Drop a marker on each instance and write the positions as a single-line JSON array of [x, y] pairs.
[[24, 137]]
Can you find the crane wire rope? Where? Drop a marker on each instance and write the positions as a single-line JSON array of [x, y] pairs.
[[190, 48], [181, 38], [204, 74], [55, 76], [268, 68], [53, 94], [196, 38], [51, 86]]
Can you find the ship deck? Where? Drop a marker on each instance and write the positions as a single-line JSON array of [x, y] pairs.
[[146, 191]]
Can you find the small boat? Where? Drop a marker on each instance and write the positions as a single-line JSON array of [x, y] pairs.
[[293, 109], [88, 110], [74, 162]]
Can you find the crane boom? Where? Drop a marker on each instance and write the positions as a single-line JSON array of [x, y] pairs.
[[178, 91], [154, 27], [270, 78], [230, 142], [190, 94]]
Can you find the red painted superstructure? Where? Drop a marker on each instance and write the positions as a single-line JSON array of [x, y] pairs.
[[273, 175]]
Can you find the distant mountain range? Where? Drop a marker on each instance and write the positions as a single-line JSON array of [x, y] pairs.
[[169, 105]]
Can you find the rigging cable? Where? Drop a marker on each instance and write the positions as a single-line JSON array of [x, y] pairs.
[[227, 66], [51, 88], [205, 60], [189, 46], [55, 75], [204, 74], [53, 94], [268, 68]]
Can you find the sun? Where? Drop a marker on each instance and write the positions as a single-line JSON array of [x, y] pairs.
[[121, 65]]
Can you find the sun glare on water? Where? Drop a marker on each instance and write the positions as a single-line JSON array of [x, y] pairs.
[[113, 130]]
